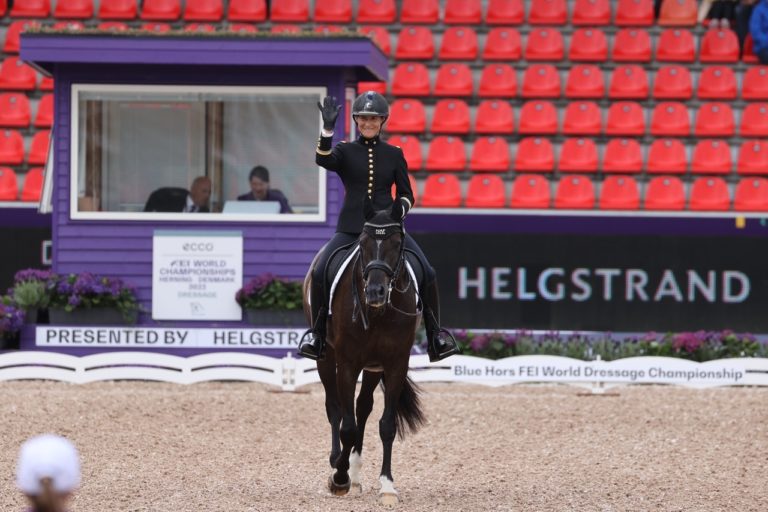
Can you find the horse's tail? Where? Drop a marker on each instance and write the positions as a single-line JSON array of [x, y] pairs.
[[409, 415]]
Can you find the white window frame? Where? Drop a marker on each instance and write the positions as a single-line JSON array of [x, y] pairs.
[[319, 217]]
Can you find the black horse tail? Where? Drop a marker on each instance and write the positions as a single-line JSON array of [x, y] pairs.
[[409, 415]]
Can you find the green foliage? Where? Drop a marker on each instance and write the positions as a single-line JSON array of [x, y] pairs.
[[269, 292], [31, 295]]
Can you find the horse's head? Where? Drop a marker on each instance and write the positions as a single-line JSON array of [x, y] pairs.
[[381, 252]]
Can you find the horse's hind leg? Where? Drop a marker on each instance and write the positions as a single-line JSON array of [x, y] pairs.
[[346, 381], [327, 371], [363, 410]]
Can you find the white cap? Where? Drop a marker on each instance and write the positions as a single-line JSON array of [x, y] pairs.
[[47, 456]]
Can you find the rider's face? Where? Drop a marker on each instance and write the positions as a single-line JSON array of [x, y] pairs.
[[369, 126]]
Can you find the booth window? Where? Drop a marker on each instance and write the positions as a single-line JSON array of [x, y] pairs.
[[143, 151]]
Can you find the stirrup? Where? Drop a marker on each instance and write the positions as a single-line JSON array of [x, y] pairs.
[[312, 346], [450, 347]]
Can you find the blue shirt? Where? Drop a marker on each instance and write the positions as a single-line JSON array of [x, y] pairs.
[[272, 195], [758, 26]]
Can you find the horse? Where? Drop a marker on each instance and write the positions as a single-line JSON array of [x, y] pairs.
[[375, 312]]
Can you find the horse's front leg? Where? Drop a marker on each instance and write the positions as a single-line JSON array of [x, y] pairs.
[[327, 371], [363, 410], [346, 379], [393, 386]]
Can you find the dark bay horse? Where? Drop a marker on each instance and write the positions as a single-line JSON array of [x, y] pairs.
[[374, 316]]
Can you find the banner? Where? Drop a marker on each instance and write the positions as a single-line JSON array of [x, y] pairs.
[[601, 283], [195, 275]]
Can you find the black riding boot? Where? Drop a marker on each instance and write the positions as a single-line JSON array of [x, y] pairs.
[[440, 342], [312, 344]]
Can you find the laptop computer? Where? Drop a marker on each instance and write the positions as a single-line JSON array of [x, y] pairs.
[[256, 207]]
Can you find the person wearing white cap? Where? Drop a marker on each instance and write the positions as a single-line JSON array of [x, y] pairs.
[[48, 471]]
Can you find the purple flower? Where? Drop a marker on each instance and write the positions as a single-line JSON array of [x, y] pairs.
[[74, 300], [480, 342], [32, 274], [11, 320], [650, 337], [689, 341], [510, 340]]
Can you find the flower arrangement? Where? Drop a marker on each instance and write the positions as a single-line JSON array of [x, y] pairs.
[[30, 289], [11, 320], [696, 346], [267, 291], [88, 291]]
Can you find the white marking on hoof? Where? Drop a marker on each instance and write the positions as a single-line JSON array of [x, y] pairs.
[[355, 490], [355, 463], [388, 500], [387, 492]]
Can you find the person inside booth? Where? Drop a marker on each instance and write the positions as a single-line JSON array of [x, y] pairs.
[[261, 191], [175, 199]]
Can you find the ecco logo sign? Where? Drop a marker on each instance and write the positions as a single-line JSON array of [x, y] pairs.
[[197, 247]]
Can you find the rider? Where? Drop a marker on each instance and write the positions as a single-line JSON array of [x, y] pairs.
[[368, 166]]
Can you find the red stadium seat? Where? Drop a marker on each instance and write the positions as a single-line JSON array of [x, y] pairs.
[[535, 154], [547, 12], [676, 45], [673, 83], [406, 116], [622, 156], [453, 80], [498, 81], [490, 154], [120, 9], [459, 43], [11, 148], [748, 53], [751, 195], [541, 81], [588, 44], [709, 194], [160, 27], [505, 12], [38, 152], [166, 10], [450, 116], [119, 26], [665, 193], [33, 185], [410, 79], [578, 155], [289, 10], [670, 119], [591, 12], [634, 13], [333, 11], [575, 192], [30, 9], [619, 193], [711, 157], [73, 9], [631, 45], [411, 150], [628, 82], [463, 12], [415, 43], [625, 118], [582, 118], [719, 46], [376, 11], [15, 75], [530, 191], [667, 156], [44, 117], [446, 153], [754, 120], [585, 81], [13, 34], [203, 10], [247, 10], [380, 36], [679, 13], [544, 44], [714, 119], [9, 185], [441, 190], [717, 82], [755, 84], [419, 11], [502, 43], [14, 109], [379, 87], [486, 192], [494, 116], [538, 117], [753, 157]]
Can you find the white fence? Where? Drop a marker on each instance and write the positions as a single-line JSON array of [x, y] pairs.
[[289, 373]]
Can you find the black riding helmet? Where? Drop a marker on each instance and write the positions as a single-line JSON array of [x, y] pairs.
[[370, 103]]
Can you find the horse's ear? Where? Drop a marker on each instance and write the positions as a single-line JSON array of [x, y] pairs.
[[368, 210]]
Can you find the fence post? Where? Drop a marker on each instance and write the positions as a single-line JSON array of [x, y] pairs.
[[289, 373]]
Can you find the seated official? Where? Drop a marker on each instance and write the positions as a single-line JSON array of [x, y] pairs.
[[175, 199], [260, 191]]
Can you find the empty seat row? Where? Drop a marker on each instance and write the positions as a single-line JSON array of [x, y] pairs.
[[578, 192], [31, 189], [628, 81], [540, 117], [622, 155], [15, 111], [548, 44], [12, 148]]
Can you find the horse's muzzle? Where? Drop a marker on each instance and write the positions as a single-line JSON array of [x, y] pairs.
[[376, 295]]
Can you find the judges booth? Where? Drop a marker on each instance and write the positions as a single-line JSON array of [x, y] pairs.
[[144, 121]]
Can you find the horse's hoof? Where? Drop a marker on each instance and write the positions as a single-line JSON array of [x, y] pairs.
[[356, 489], [388, 500], [338, 489]]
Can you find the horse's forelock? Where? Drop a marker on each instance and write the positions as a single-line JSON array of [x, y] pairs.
[[381, 218]]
